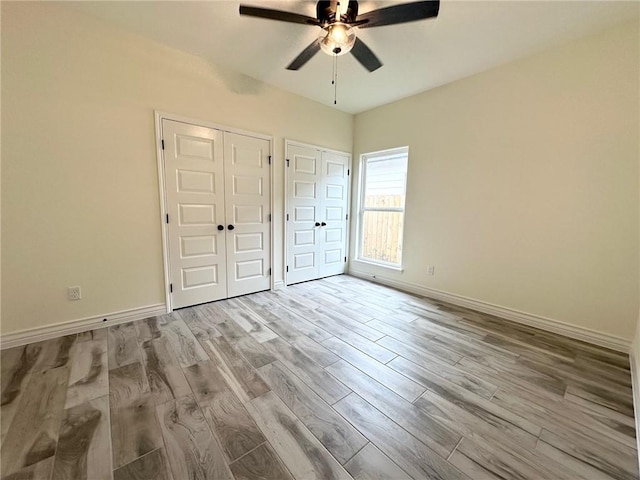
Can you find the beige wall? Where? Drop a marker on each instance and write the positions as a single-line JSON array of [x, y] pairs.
[[635, 357], [80, 202], [523, 183]]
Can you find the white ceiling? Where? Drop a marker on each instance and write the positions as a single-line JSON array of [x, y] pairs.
[[466, 38]]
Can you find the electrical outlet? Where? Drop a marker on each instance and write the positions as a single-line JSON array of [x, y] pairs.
[[74, 293], [431, 270]]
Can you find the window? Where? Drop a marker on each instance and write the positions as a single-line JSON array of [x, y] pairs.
[[383, 181]]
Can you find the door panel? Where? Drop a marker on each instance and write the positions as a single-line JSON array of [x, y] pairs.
[[317, 186], [303, 205], [195, 198], [247, 200], [334, 204]]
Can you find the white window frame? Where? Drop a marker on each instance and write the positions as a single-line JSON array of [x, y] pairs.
[[364, 158]]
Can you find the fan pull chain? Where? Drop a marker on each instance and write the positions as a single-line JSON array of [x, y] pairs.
[[334, 82]]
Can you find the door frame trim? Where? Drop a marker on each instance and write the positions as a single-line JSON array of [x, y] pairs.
[[288, 142], [159, 116]]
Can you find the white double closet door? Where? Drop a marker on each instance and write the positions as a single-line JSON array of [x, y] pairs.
[[217, 187], [317, 212]]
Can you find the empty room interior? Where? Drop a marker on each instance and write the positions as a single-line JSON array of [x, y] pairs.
[[285, 239]]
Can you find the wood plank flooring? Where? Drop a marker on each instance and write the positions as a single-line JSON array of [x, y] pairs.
[[332, 379]]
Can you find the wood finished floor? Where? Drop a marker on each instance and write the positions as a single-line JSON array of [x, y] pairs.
[[332, 379]]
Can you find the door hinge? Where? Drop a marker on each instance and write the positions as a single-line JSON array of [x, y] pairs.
[[287, 217], [269, 217], [167, 218], [345, 259], [287, 162], [348, 171], [347, 217], [269, 159], [287, 268], [269, 271], [162, 141], [171, 288]]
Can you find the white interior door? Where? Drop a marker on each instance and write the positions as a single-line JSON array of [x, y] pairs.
[[248, 213], [303, 187], [332, 245], [318, 195], [193, 166]]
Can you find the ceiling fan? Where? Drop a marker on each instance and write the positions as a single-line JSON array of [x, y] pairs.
[[338, 21]]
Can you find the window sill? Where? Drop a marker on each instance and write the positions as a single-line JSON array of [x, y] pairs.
[[377, 265]]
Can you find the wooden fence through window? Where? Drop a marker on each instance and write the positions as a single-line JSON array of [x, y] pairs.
[[382, 231]]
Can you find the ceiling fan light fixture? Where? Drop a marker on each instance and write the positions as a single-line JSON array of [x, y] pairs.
[[337, 39]]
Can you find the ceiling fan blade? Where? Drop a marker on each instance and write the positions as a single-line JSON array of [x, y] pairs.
[[406, 12], [365, 56], [280, 15], [306, 55]]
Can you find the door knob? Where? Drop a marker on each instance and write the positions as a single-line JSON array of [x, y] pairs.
[[317, 224], [231, 227], [220, 227], [324, 224]]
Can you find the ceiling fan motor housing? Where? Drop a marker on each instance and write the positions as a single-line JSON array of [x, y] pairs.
[[326, 14]]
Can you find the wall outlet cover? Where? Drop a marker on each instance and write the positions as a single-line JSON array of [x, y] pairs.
[[74, 293]]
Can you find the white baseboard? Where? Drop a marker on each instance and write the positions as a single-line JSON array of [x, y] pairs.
[[81, 325], [543, 323], [278, 285]]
